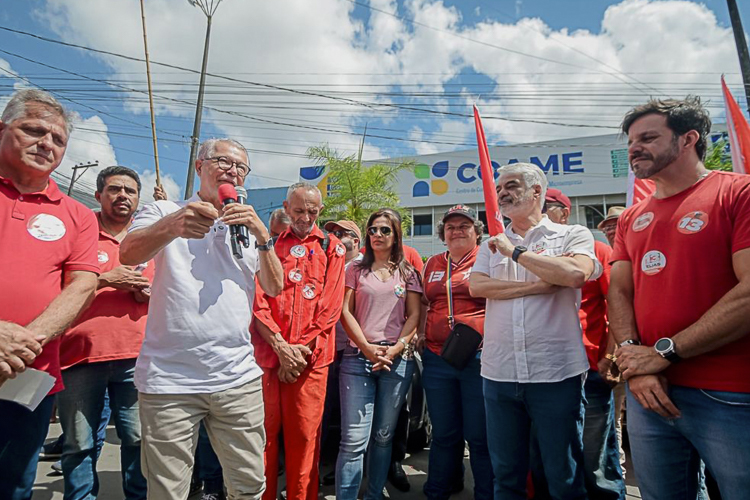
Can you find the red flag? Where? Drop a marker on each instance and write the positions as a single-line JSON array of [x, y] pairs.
[[738, 131], [494, 219], [638, 189]]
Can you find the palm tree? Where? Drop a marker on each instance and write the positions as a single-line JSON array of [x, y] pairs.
[[357, 190]]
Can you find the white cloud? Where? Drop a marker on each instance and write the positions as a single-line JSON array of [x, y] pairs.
[[668, 48]]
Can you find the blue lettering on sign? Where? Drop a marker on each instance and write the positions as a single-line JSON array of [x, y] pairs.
[[462, 176], [572, 160], [495, 166], [552, 163]]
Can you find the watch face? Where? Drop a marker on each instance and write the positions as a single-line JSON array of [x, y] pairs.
[[663, 345]]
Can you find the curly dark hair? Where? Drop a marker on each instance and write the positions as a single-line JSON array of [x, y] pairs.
[[682, 117]]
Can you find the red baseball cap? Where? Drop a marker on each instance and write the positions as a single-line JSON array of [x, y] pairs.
[[556, 196]]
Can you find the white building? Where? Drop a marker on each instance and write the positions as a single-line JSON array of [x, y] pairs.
[[592, 171]]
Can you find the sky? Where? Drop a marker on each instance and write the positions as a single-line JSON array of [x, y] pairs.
[[285, 75]]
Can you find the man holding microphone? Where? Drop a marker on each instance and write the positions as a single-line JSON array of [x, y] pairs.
[[197, 362]]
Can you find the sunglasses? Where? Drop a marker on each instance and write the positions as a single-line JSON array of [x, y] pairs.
[[339, 233], [384, 230]]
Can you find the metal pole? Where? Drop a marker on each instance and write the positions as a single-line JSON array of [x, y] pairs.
[[742, 51], [198, 111], [73, 178], [150, 97]]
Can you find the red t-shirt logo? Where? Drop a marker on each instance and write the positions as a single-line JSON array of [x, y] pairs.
[[693, 222]]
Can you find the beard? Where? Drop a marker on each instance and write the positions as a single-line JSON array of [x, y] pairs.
[[517, 203], [658, 163]]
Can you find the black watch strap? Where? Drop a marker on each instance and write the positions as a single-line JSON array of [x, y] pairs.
[[264, 248], [517, 252]]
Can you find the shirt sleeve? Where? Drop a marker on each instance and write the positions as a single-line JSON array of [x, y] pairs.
[[741, 216], [620, 251], [146, 216], [414, 283], [262, 309], [580, 241], [482, 264], [84, 254], [352, 276]]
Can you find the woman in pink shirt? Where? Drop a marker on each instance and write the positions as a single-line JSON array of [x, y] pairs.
[[381, 314]]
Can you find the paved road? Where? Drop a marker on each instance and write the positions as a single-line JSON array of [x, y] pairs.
[[50, 487]]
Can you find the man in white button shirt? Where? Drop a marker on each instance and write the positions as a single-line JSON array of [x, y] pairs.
[[197, 362], [533, 361]]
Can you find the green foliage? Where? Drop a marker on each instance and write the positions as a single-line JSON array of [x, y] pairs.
[[357, 191], [717, 159]]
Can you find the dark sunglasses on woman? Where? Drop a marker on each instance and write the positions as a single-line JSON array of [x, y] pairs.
[[384, 230]]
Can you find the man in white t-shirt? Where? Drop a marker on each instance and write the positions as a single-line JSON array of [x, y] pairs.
[[197, 362], [533, 361]]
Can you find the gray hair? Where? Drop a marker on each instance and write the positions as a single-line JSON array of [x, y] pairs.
[[208, 148], [16, 107], [279, 215], [303, 185], [532, 176]]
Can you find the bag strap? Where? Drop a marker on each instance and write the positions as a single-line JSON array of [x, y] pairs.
[[449, 292]]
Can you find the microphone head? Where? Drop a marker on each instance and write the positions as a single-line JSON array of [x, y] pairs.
[[226, 192], [241, 192]]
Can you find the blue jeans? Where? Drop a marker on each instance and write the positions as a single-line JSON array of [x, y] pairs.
[[370, 405], [713, 426], [556, 412], [22, 434], [456, 404], [81, 406], [601, 458]]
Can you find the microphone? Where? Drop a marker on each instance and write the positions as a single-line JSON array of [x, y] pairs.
[[227, 195], [244, 233]]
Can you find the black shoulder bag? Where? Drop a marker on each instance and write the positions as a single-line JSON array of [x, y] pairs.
[[463, 342]]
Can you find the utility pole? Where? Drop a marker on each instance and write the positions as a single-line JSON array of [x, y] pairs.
[[209, 8], [74, 178], [742, 51], [150, 97]]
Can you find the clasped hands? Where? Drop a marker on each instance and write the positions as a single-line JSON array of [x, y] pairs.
[[641, 367]]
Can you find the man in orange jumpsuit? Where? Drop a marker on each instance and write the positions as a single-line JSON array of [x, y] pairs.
[[294, 343]]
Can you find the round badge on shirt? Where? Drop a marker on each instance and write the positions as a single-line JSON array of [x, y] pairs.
[[643, 221], [295, 275], [399, 290], [340, 250], [308, 292], [297, 251], [692, 222], [46, 227], [653, 262], [102, 257]]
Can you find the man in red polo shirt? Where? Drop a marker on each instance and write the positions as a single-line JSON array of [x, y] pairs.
[[293, 335], [98, 353], [679, 302], [49, 266], [601, 458]]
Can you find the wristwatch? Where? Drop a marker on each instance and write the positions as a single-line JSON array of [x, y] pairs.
[[630, 342], [665, 348], [266, 247], [517, 252]]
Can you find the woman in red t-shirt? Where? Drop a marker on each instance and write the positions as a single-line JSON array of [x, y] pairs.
[[454, 397], [381, 314]]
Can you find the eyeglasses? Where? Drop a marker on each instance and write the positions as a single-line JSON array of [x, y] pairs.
[[609, 228], [384, 230], [339, 233], [225, 164]]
